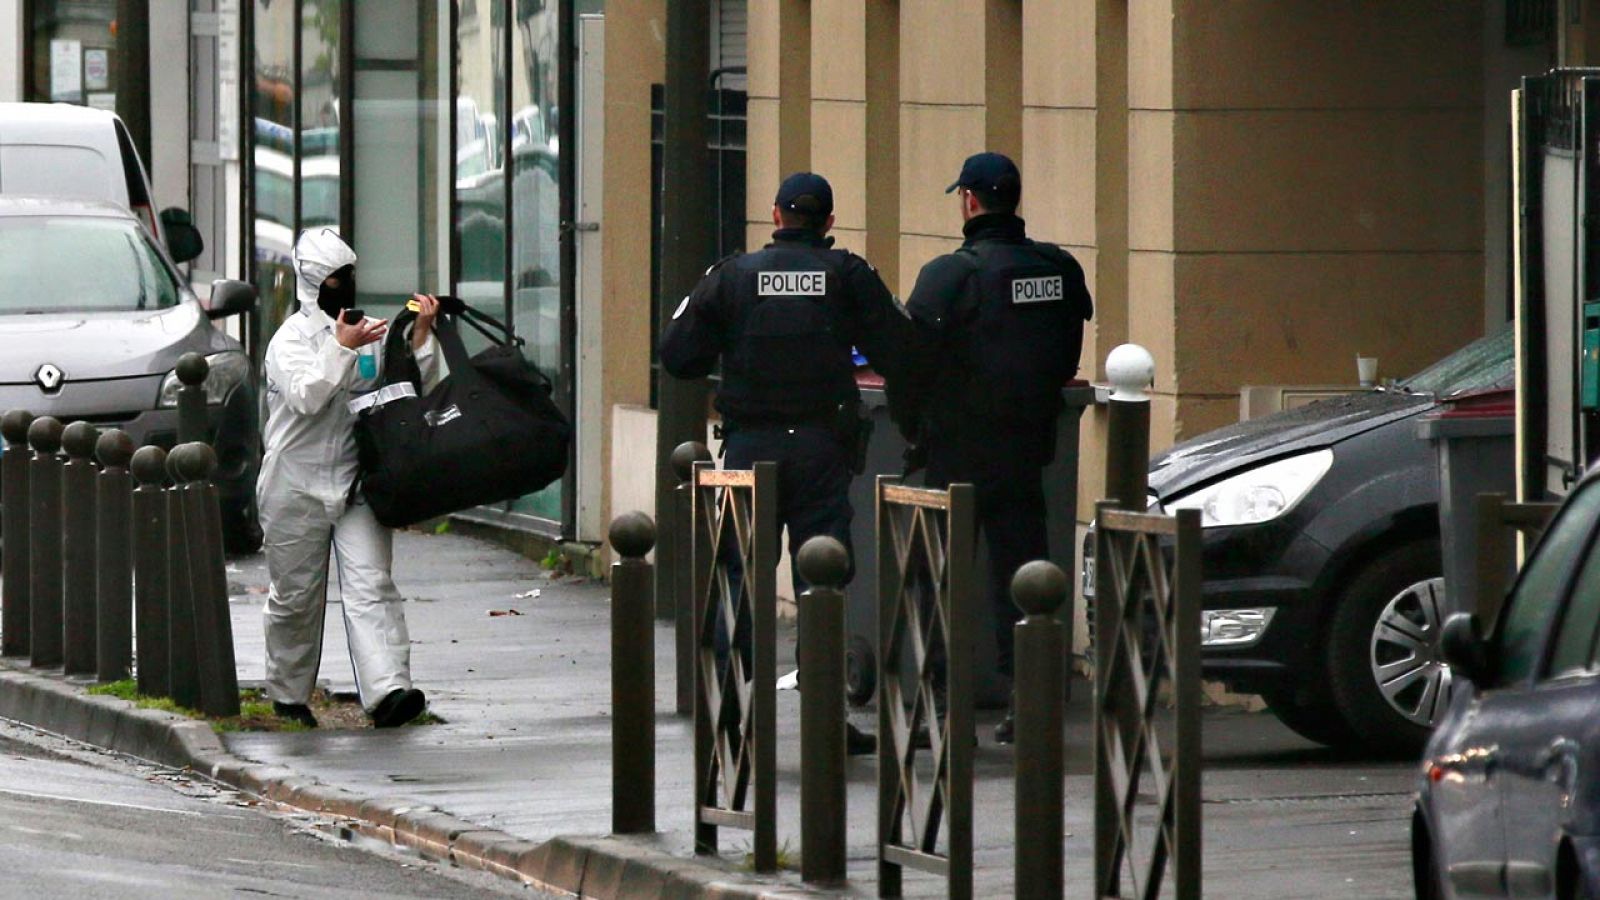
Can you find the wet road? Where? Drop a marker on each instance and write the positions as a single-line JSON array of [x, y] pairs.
[[76, 822]]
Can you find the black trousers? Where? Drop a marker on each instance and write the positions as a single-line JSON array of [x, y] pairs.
[[813, 496], [1004, 470]]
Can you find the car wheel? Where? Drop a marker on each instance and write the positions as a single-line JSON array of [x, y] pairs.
[[1389, 679], [860, 671], [1312, 714]]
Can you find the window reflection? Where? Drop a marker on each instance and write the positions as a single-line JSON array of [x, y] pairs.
[[273, 103], [536, 204], [319, 114], [479, 166]]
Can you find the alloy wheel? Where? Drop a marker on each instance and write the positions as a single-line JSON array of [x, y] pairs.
[[1406, 661]]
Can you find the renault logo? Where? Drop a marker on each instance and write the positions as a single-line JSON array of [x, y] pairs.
[[49, 378]]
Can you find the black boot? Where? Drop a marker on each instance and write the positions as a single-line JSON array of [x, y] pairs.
[[400, 707], [295, 712], [858, 742]]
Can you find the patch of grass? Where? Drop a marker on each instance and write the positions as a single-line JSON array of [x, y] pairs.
[[786, 859], [552, 560], [442, 527], [126, 689], [255, 710]]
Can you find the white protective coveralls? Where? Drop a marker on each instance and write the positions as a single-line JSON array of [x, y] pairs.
[[308, 502]]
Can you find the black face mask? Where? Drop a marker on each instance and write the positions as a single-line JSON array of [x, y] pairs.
[[331, 299]]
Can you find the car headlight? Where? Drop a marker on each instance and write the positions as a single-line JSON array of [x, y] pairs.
[[1256, 495], [1234, 627], [228, 370]]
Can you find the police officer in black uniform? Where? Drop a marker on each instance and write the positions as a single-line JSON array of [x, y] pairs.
[[783, 320], [1000, 327]]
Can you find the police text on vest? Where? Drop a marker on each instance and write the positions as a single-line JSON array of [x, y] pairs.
[[790, 284], [1037, 290]]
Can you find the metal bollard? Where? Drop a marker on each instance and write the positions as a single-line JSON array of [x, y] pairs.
[[114, 557], [150, 574], [182, 671], [213, 627], [226, 659], [825, 564], [681, 578], [14, 605], [633, 677], [1039, 589], [192, 371], [79, 645], [44, 543], [1130, 369]]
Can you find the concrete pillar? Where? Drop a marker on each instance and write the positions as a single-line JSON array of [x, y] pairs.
[[960, 93], [1281, 223], [635, 59], [855, 123], [778, 129]]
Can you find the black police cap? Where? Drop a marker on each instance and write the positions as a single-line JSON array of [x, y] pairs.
[[992, 173], [807, 193]]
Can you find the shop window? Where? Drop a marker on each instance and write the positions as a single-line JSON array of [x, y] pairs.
[[71, 52]]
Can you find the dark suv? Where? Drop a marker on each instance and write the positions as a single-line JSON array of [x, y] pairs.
[[1323, 585]]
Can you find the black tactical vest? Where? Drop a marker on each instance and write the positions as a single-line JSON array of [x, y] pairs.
[[789, 362], [1027, 331]]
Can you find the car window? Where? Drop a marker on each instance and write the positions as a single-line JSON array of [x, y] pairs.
[[1574, 639], [49, 170], [1538, 589], [75, 264], [1480, 365]]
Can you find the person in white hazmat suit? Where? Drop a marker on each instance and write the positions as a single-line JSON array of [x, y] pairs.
[[317, 364]]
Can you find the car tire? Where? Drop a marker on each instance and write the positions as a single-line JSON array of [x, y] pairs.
[[1312, 714], [1403, 586], [861, 671]]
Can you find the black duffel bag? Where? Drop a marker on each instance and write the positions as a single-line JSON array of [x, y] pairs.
[[487, 433]]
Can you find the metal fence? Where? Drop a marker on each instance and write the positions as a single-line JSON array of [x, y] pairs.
[[925, 614], [734, 559], [1147, 647]]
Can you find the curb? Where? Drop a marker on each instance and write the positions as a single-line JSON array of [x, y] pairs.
[[603, 868]]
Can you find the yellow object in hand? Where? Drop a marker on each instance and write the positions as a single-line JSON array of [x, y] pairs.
[[414, 306]]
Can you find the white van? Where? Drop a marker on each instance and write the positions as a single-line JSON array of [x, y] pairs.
[[79, 153]]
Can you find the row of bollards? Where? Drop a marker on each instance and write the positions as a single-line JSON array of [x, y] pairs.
[[94, 566]]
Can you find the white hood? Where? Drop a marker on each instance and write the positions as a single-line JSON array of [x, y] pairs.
[[319, 253]]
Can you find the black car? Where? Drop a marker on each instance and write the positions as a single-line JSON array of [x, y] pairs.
[[1323, 583], [1510, 799]]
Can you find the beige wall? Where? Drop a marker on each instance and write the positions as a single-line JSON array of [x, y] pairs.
[[1281, 223], [1258, 190], [635, 58]]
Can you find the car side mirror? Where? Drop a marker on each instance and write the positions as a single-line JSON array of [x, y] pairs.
[[1463, 649], [230, 298], [183, 239]]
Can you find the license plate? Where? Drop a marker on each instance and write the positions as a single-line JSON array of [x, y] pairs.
[[1088, 577]]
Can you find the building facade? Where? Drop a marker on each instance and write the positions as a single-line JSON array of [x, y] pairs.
[[1259, 190]]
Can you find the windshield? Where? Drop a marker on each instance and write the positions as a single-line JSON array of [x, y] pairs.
[[80, 264], [1480, 365]]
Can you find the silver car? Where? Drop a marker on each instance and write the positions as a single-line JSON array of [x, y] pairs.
[[93, 318]]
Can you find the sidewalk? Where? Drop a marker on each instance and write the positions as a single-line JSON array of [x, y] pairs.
[[525, 747]]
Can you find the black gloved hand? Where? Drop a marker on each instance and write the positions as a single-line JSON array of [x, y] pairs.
[[916, 458]]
